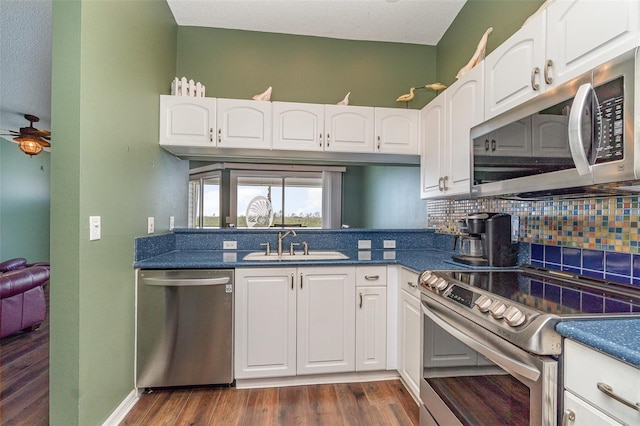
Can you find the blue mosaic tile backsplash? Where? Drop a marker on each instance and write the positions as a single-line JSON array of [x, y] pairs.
[[609, 265]]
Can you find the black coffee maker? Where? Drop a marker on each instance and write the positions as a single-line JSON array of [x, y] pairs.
[[494, 232]]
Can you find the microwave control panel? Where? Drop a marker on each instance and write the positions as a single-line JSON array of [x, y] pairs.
[[609, 122]]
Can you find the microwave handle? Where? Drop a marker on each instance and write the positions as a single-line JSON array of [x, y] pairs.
[[575, 125], [499, 358]]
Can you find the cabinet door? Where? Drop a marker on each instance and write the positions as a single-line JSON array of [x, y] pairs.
[[584, 413], [326, 320], [409, 352], [510, 70], [244, 124], [443, 350], [371, 328], [583, 34], [464, 109], [348, 128], [298, 126], [265, 323], [431, 148], [550, 137], [396, 131], [187, 121]]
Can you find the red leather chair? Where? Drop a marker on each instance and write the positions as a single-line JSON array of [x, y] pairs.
[[22, 302]]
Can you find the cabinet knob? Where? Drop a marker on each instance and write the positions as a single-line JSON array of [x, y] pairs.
[[547, 75], [568, 416], [534, 77]]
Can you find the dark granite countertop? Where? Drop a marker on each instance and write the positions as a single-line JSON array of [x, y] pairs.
[[416, 260], [619, 338]]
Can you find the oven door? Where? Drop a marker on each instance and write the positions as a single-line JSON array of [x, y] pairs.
[[473, 377]]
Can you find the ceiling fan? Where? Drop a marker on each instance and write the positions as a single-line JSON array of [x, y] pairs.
[[32, 141]]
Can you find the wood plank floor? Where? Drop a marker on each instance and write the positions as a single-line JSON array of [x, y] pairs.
[[24, 397], [369, 403]]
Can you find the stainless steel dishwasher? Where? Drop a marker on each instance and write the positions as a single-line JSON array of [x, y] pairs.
[[184, 327]]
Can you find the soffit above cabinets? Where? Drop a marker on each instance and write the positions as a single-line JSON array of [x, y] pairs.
[[401, 21]]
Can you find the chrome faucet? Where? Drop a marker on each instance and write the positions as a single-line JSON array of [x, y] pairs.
[[281, 237]]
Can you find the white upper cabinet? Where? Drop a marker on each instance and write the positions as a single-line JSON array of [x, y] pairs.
[[243, 124], [396, 131], [567, 39], [348, 128], [298, 126], [187, 121], [583, 34], [446, 142], [514, 71]]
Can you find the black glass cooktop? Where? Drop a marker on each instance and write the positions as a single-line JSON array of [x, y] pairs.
[[555, 292]]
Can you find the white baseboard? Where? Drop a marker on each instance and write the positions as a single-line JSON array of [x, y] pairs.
[[123, 409], [317, 379]]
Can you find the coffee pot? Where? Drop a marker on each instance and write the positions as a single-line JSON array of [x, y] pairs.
[[486, 240]]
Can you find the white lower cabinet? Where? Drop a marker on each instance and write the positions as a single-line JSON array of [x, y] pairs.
[[326, 320], [265, 323], [371, 318], [409, 351], [598, 389], [309, 320]]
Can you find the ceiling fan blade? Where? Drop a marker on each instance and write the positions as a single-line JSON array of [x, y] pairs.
[[44, 143], [43, 133]]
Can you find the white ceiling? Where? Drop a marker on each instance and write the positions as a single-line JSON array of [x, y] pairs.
[[400, 21]]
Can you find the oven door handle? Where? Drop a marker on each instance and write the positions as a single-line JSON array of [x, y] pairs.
[[501, 359]]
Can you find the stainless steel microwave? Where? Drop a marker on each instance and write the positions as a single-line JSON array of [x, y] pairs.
[[574, 136]]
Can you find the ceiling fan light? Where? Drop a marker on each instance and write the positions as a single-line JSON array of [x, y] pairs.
[[28, 145]]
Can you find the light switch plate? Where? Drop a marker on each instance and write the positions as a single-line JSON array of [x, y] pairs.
[[94, 228], [389, 244], [172, 223], [150, 225], [364, 244], [229, 245]]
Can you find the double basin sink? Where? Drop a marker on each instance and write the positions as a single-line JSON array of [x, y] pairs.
[[298, 257]]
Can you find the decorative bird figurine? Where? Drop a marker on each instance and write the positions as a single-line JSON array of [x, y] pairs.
[[345, 101], [436, 86], [407, 96], [478, 55], [264, 96]]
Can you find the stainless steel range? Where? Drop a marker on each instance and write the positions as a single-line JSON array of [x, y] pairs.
[[490, 349]]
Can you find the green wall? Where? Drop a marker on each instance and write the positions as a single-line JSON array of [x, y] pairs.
[[111, 60], [459, 43], [239, 64], [24, 203]]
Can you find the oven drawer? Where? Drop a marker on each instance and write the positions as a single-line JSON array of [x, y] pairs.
[[586, 368], [409, 282]]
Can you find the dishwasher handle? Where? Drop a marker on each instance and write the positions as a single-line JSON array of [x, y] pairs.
[[185, 282]]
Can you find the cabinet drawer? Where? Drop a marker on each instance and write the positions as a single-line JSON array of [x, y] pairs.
[[584, 414], [371, 276], [409, 282], [585, 368]]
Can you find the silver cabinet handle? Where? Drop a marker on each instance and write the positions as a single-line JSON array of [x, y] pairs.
[[568, 416], [360, 300], [328, 139], [445, 180], [440, 184], [300, 281], [378, 143], [292, 281], [547, 75], [320, 140], [372, 277], [412, 284], [220, 135], [534, 73], [211, 134], [493, 145], [486, 145], [608, 390]]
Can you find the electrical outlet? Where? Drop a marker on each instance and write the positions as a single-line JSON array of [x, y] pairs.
[[229, 245], [515, 228], [94, 228], [150, 225], [389, 244], [364, 244], [172, 223]]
